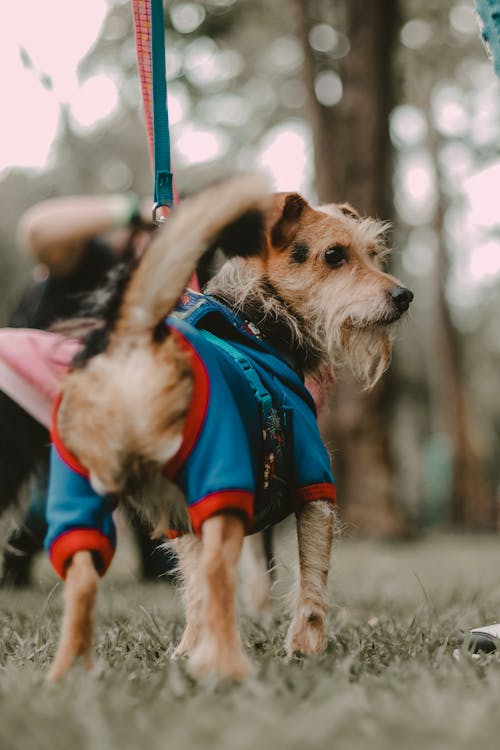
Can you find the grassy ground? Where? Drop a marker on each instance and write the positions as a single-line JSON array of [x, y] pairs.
[[389, 679]]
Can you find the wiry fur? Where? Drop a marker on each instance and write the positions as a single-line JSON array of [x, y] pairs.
[[315, 530], [124, 405], [325, 317], [108, 400]]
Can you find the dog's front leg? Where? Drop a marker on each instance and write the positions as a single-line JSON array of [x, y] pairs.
[[188, 552], [219, 652], [307, 632], [80, 591]]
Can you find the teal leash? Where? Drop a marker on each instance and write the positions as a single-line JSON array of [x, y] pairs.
[[163, 177]]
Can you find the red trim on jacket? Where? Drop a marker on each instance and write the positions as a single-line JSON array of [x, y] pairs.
[[172, 534], [240, 501], [66, 455], [197, 408], [323, 491], [66, 545]]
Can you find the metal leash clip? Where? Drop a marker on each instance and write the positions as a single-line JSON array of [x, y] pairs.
[[159, 219]]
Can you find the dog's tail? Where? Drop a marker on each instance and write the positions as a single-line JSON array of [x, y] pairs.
[[229, 215]]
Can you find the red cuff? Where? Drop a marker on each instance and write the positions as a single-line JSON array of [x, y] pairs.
[[239, 501], [324, 491], [64, 547], [173, 534]]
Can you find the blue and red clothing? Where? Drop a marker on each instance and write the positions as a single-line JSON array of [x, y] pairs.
[[251, 444]]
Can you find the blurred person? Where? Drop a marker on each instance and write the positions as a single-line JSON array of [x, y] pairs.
[[486, 638], [75, 241]]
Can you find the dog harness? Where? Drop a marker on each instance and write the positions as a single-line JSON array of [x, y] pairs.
[[251, 443]]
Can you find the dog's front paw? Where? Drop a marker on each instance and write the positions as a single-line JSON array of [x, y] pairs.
[[188, 642], [306, 634], [211, 660]]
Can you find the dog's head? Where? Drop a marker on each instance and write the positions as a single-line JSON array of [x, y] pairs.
[[324, 266]]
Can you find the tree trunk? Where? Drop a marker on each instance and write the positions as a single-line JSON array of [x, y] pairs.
[[353, 163], [471, 501]]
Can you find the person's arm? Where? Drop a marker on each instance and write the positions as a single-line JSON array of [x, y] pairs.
[[55, 231]]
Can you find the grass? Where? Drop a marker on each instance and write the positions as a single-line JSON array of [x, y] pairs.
[[388, 680]]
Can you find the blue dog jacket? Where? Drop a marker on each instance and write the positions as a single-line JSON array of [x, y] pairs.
[[251, 444]]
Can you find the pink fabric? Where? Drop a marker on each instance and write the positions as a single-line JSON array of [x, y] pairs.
[[32, 366]]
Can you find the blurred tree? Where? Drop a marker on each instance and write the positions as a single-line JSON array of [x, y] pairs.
[[442, 77], [238, 72], [353, 163], [471, 501]]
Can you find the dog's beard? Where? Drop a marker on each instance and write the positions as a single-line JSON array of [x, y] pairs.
[[364, 350], [355, 336], [367, 353]]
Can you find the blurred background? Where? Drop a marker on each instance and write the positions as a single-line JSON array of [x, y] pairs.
[[391, 105]]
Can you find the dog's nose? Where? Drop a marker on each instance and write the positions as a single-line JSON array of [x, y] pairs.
[[401, 297]]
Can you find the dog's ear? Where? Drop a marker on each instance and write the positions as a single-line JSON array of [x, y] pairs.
[[285, 216], [348, 210]]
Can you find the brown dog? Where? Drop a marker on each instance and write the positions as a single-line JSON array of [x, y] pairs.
[[311, 284]]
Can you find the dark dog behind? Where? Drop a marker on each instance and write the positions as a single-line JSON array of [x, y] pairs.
[[24, 444]]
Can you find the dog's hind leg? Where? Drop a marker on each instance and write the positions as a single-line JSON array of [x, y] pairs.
[[188, 552], [307, 632], [219, 652], [256, 578], [80, 591]]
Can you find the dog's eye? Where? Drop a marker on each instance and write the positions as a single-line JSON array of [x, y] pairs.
[[336, 256]]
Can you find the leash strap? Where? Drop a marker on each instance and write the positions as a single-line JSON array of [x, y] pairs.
[[151, 54], [261, 394], [149, 29], [142, 30], [163, 186]]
